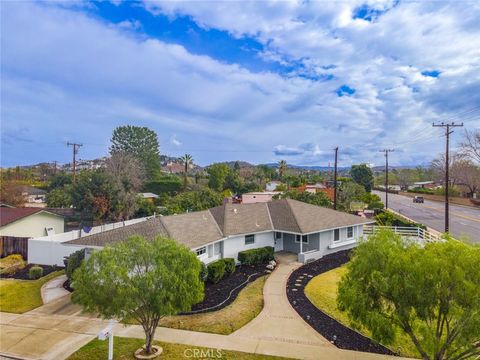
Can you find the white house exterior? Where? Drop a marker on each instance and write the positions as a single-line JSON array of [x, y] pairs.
[[222, 232], [29, 222], [255, 197]]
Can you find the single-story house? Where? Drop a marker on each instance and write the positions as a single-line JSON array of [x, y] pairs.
[[29, 222], [255, 197], [272, 185], [32, 194], [148, 196], [223, 231]]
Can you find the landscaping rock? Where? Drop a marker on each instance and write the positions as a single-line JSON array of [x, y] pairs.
[[270, 267]]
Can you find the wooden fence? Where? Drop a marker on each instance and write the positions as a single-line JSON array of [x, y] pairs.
[[13, 245]]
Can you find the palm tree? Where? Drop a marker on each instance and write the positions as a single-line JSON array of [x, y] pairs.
[[282, 168], [187, 160]]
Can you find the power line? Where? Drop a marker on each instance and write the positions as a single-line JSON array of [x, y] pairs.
[[75, 148], [386, 151], [446, 185]]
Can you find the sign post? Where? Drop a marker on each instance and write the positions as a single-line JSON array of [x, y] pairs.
[[108, 333]]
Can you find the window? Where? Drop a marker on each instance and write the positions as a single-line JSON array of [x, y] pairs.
[[278, 235], [304, 239], [336, 234], [249, 239], [201, 251], [350, 232]]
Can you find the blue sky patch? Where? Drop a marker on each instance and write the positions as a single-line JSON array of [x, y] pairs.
[[345, 90], [431, 73]]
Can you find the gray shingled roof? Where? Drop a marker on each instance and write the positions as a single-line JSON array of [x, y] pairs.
[[193, 229], [199, 228], [148, 229]]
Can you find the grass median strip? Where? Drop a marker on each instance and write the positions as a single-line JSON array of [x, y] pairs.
[[19, 296], [245, 308], [123, 348]]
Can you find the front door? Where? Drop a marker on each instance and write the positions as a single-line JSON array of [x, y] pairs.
[[278, 236]]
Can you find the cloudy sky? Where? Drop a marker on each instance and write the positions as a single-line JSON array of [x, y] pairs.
[[257, 81]]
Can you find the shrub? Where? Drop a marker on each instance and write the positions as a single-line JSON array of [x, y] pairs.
[[11, 264], [73, 262], [216, 271], [203, 272], [256, 256], [229, 265], [35, 272]]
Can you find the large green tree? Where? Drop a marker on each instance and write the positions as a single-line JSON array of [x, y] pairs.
[[59, 198], [196, 200], [217, 175], [362, 175], [319, 198], [429, 292], [141, 143], [349, 192], [139, 280]]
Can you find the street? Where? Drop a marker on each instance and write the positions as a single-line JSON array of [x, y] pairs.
[[464, 221]]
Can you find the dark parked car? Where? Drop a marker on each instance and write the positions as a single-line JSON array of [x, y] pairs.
[[418, 199]]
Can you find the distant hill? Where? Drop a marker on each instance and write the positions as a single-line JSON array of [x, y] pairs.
[[309, 167]]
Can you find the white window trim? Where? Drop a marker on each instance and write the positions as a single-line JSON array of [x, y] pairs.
[[353, 232], [301, 237], [339, 235], [245, 241], [201, 251]]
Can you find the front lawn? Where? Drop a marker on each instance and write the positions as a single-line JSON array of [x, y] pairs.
[[246, 307], [322, 292], [19, 296], [123, 348]]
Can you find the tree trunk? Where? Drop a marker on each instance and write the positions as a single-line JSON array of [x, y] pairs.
[[148, 342]]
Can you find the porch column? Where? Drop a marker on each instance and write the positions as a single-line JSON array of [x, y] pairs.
[[301, 244]]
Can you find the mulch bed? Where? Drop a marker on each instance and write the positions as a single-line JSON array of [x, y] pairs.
[[23, 273], [223, 293], [345, 338]]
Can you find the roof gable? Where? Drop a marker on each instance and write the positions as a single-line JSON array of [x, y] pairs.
[[10, 215]]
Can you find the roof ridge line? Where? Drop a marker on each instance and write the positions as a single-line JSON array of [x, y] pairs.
[[293, 213], [215, 221], [270, 216]]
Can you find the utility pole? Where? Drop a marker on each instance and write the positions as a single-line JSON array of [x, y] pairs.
[[447, 165], [386, 151], [335, 180], [75, 152]]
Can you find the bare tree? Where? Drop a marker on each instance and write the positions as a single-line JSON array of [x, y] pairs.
[[467, 174], [127, 175], [470, 146], [438, 168]]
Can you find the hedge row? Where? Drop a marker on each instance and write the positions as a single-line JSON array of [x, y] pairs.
[[256, 256], [218, 269]]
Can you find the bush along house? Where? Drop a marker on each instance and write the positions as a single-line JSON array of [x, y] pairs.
[[222, 232]]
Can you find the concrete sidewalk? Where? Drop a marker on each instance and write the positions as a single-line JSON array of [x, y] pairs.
[[49, 337], [53, 289]]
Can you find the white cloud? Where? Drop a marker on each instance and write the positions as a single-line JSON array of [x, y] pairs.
[[66, 75], [175, 141]]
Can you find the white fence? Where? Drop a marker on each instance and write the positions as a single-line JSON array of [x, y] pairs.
[[405, 231], [50, 250]]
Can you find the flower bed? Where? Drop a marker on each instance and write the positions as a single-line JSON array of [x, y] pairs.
[[22, 274], [339, 334], [221, 294]]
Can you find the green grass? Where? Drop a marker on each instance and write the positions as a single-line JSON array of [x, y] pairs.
[[123, 348], [19, 296], [246, 307], [322, 292]]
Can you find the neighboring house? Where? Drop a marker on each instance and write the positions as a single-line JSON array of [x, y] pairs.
[[174, 168], [256, 197], [423, 185], [148, 196], [29, 222], [272, 185], [314, 188], [32, 194], [222, 232]]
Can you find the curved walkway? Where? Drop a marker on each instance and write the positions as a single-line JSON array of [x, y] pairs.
[[53, 289], [278, 321]]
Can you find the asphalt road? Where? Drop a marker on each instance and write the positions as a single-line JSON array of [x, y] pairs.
[[464, 221]]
